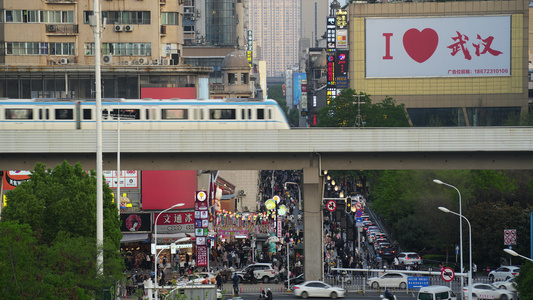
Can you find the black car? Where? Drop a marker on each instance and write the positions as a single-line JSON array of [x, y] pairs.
[[387, 252], [295, 280]]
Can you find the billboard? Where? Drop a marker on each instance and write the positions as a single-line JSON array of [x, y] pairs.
[[470, 46], [162, 189], [298, 77]]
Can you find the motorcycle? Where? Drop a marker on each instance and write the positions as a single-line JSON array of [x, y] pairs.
[[248, 278]]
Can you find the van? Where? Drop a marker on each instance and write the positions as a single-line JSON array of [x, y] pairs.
[[436, 292]]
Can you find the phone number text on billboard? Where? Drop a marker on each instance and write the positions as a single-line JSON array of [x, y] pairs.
[[470, 46]]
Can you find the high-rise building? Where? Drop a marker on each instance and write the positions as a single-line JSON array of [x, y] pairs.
[[277, 29], [313, 21], [47, 50]]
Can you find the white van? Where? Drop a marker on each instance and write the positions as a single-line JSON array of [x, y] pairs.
[[436, 292]]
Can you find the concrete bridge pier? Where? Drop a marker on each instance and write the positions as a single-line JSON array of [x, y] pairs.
[[313, 227]]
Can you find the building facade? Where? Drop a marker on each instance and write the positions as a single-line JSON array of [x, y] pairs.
[[276, 28], [451, 63], [47, 50]]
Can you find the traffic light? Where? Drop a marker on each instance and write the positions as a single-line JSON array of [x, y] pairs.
[[348, 204]]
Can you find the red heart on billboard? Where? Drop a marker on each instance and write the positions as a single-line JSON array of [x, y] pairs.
[[420, 45]]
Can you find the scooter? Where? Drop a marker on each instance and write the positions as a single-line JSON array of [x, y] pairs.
[[247, 278]]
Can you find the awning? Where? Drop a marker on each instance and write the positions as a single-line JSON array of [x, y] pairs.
[[133, 237]]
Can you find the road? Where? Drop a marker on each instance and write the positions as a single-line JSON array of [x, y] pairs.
[[367, 296]]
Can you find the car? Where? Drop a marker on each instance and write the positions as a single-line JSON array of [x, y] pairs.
[[436, 292], [262, 271], [387, 252], [504, 273], [318, 289], [381, 243], [409, 258], [398, 280], [208, 278], [487, 291], [194, 279], [294, 281], [508, 284]]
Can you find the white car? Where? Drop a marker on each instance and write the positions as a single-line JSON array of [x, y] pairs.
[[487, 291], [504, 273], [398, 280], [508, 284], [409, 258], [318, 289]]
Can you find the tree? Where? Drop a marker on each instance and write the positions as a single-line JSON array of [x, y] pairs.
[[59, 206], [524, 281], [342, 111]]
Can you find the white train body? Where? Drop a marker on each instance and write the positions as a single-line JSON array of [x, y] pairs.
[[142, 114]]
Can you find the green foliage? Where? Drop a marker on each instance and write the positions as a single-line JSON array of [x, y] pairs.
[[524, 281], [342, 111], [58, 211], [491, 200]]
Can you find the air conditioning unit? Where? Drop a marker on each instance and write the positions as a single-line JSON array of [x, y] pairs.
[[107, 59], [63, 61], [193, 18], [128, 28], [241, 193], [119, 28], [142, 61], [51, 28], [197, 13], [155, 62], [165, 62]]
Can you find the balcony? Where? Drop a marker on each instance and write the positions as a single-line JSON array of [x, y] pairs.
[[61, 29], [163, 30], [61, 1]]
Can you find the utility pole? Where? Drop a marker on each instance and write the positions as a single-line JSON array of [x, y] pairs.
[[358, 119]]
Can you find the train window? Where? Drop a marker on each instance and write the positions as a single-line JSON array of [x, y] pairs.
[[105, 113], [260, 114], [64, 114], [19, 113], [222, 114], [175, 114], [46, 114], [270, 114], [87, 114], [249, 114], [127, 114]]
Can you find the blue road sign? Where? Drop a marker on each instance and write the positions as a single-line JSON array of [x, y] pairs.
[[417, 282], [511, 247], [359, 222], [456, 249], [359, 213]]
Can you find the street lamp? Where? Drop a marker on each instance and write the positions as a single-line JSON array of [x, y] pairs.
[[444, 209], [513, 253], [460, 225], [156, 259], [299, 193]]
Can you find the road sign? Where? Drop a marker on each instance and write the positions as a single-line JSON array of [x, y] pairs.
[[331, 205], [359, 222], [447, 274], [509, 237], [417, 282], [457, 249], [358, 205], [358, 213]]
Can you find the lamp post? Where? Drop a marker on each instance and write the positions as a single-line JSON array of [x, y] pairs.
[[513, 253], [156, 259], [460, 225], [299, 193], [444, 209]]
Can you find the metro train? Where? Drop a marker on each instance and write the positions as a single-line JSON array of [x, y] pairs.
[[142, 114]]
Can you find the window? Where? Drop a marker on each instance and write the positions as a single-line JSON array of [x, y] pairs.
[[46, 114], [121, 17], [175, 114], [222, 114], [126, 49], [19, 114], [232, 78], [87, 114], [169, 18], [244, 78], [260, 114], [64, 114], [126, 114]]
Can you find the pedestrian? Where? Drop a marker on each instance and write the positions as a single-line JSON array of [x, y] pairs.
[[269, 294], [218, 280]]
